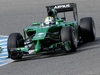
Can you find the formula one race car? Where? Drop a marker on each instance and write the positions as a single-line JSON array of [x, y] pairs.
[[55, 33]]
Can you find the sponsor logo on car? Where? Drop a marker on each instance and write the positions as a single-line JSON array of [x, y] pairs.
[[40, 34], [62, 6]]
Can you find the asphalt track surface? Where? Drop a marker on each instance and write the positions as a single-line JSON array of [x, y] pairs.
[[18, 14]]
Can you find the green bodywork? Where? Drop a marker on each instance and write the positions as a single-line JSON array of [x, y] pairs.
[[47, 36], [44, 36]]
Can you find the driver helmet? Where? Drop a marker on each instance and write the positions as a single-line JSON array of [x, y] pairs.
[[49, 20]]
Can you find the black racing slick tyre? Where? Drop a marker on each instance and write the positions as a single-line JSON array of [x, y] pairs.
[[87, 29], [15, 40], [68, 35]]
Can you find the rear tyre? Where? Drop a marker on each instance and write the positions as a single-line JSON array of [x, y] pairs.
[[68, 36], [15, 40], [87, 29]]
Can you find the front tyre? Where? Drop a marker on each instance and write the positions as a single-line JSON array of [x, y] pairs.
[[69, 37], [15, 40]]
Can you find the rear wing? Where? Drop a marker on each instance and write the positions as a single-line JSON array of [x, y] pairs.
[[65, 8]]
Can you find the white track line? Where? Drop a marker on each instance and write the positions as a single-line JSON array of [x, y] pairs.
[[3, 36], [7, 62], [3, 40], [3, 43], [4, 47], [3, 56], [4, 53]]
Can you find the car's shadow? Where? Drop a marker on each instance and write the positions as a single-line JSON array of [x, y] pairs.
[[83, 47], [90, 45]]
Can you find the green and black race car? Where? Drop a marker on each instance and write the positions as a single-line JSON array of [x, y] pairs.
[[59, 34]]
